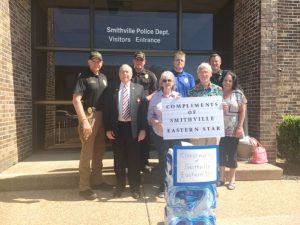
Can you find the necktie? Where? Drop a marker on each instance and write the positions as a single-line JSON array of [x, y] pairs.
[[125, 104]]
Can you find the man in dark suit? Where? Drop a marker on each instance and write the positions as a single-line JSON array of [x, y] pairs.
[[125, 126]]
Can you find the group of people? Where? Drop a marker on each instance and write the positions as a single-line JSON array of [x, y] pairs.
[[126, 113]]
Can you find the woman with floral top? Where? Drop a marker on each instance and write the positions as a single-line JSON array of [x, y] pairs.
[[234, 117]]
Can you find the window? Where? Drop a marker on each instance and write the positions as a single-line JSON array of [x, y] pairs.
[[71, 27], [197, 31]]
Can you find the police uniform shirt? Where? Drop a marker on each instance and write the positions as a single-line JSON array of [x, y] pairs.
[[184, 82], [217, 78], [91, 86], [147, 79]]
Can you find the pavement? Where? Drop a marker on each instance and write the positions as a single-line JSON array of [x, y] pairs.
[[267, 202]]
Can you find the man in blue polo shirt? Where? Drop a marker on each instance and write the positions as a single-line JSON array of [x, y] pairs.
[[184, 80]]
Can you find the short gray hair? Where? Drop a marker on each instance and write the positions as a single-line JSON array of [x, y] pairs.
[[167, 75], [204, 66]]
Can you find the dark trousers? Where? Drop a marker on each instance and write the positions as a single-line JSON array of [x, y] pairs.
[[162, 146], [144, 148], [126, 154], [228, 151]]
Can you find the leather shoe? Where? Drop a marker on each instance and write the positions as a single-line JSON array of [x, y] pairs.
[[146, 169], [88, 194], [136, 194], [103, 187], [118, 193]]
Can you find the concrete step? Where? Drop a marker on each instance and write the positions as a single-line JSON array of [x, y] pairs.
[[57, 170]]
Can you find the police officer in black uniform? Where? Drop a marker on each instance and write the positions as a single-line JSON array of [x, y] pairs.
[[218, 74], [88, 103], [148, 80]]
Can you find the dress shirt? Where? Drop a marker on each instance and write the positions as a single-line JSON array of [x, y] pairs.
[[120, 103], [155, 108]]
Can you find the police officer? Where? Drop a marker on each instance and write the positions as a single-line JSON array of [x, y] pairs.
[[218, 74], [148, 80], [184, 80], [87, 101]]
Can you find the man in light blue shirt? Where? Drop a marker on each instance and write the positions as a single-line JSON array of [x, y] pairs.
[[184, 81]]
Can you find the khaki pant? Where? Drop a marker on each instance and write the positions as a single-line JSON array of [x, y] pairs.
[[92, 149]]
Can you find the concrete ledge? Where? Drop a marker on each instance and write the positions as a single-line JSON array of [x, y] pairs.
[[250, 172], [58, 170]]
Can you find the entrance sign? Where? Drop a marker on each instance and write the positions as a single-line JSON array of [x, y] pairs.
[[135, 30], [195, 165], [195, 117]]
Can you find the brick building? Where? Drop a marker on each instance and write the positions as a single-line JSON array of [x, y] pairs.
[[44, 44]]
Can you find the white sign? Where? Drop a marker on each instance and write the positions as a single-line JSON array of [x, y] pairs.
[[195, 117], [195, 165]]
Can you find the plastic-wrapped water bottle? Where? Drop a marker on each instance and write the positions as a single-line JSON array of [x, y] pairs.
[[196, 198], [171, 212], [202, 220], [169, 169]]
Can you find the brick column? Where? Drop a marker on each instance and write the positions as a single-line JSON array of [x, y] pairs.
[[255, 62], [15, 82]]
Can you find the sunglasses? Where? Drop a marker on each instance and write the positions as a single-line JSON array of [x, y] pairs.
[[166, 80]]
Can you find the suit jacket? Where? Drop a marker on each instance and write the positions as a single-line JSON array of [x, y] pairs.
[[111, 111]]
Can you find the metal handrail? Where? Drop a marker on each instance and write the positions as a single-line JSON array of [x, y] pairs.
[[57, 102]]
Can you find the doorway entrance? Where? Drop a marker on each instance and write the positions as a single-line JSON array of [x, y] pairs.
[[66, 31]]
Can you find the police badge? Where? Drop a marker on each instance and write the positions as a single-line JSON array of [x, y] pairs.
[[89, 110]]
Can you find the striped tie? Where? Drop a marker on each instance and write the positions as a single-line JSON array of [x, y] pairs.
[[125, 104]]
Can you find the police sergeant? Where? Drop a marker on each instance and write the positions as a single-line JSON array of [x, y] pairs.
[[88, 104], [148, 80]]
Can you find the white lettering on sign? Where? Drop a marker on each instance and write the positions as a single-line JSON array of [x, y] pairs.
[[147, 40], [128, 35], [119, 30], [162, 32], [119, 39]]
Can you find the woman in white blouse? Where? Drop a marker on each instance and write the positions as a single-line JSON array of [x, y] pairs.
[[234, 117], [167, 87]]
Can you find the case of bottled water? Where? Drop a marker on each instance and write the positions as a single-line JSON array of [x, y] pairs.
[[188, 205]]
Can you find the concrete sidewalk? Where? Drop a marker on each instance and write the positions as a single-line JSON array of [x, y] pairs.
[[262, 200], [252, 203]]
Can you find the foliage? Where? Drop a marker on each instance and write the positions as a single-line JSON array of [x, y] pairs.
[[288, 138]]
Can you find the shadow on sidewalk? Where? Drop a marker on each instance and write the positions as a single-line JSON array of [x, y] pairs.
[[291, 170]]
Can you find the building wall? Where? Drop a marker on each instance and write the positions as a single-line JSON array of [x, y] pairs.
[[267, 60], [15, 82], [266, 57], [288, 96], [246, 57], [255, 61]]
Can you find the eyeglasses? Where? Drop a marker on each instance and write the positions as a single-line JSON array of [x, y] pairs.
[[166, 80]]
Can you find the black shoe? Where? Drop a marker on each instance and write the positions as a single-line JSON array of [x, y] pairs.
[[103, 187], [161, 191], [146, 169], [136, 194], [220, 183], [88, 194], [118, 192]]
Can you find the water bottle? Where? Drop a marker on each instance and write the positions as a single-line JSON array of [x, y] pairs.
[[192, 197], [171, 212], [202, 220], [169, 169]]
